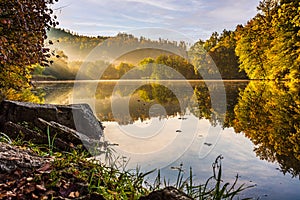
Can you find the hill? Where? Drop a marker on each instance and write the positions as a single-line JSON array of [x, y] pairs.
[[121, 53], [125, 47]]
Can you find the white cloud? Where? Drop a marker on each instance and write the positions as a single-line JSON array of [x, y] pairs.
[[233, 11], [139, 19], [188, 17], [94, 24], [157, 3]]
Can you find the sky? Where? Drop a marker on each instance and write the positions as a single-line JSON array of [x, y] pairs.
[[192, 19]]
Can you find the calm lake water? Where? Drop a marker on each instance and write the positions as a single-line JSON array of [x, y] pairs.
[[253, 125]]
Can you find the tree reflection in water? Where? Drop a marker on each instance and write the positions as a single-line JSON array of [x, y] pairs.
[[269, 114]]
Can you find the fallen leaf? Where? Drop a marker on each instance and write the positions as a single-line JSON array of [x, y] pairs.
[[18, 172], [10, 194], [45, 168], [29, 179], [77, 194], [34, 196], [50, 192], [44, 198], [65, 192], [29, 189], [72, 195], [10, 183], [40, 187]]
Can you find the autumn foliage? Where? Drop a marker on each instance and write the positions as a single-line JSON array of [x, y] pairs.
[[268, 45], [23, 25]]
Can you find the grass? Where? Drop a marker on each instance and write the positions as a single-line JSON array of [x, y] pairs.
[[5, 138], [50, 141], [213, 188], [76, 173]]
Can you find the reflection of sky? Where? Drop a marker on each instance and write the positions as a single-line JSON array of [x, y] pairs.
[[195, 18], [159, 145], [155, 141], [170, 148]]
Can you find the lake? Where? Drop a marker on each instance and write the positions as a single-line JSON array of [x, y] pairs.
[[254, 125]]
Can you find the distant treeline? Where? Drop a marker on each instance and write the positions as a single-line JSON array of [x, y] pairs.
[[267, 47], [78, 47], [72, 51], [147, 68]]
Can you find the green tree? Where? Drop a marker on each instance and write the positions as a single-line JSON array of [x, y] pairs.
[[211, 42], [223, 54], [123, 68], [218, 50], [23, 25], [179, 64], [201, 60]]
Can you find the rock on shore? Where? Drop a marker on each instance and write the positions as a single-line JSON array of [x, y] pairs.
[[70, 124]]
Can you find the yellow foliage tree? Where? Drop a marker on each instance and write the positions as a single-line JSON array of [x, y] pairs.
[[23, 25]]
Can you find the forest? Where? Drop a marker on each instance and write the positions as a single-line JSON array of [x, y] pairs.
[[266, 47], [71, 50]]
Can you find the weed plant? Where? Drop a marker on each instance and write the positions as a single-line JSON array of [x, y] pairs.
[[115, 182]]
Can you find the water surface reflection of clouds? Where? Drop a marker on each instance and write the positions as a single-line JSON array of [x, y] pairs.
[[165, 145], [164, 151], [174, 141]]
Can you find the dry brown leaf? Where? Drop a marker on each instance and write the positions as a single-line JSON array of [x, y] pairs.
[[72, 195], [41, 188], [46, 168], [77, 194], [29, 179], [18, 172], [34, 196], [10, 194], [29, 189], [10, 183]]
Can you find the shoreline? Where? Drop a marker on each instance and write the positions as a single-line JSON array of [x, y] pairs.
[[139, 80]]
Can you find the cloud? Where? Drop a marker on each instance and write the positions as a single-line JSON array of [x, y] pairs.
[[94, 24], [139, 19], [187, 17], [157, 3], [233, 11]]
